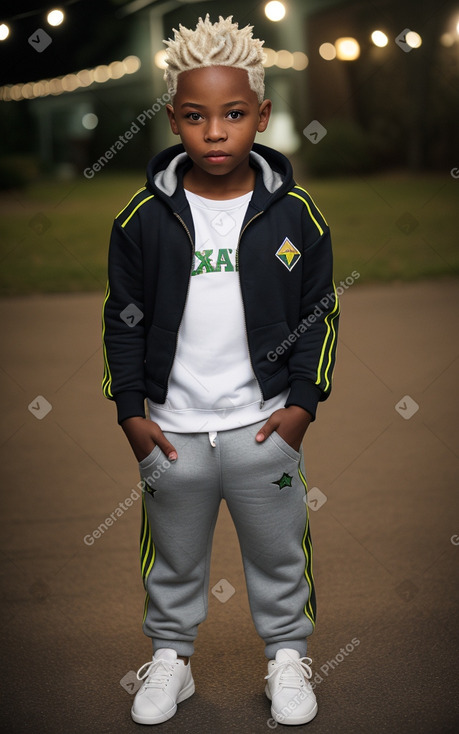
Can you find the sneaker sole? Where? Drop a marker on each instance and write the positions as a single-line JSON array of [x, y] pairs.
[[291, 720], [183, 695]]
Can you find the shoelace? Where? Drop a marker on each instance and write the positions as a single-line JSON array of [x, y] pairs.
[[156, 674], [292, 670]]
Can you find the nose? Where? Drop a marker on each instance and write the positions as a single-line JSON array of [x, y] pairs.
[[215, 130]]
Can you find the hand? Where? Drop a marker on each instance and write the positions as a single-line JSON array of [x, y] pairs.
[[144, 435], [290, 423]]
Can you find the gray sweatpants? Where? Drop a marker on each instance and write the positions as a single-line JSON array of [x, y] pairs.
[[265, 490]]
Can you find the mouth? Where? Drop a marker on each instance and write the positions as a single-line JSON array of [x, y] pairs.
[[217, 156]]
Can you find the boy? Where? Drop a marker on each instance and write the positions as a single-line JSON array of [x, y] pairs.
[[221, 312]]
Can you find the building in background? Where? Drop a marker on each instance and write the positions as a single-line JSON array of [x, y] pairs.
[[355, 85]]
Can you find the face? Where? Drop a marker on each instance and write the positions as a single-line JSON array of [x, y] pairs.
[[217, 116]]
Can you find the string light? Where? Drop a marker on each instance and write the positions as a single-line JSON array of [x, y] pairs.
[[379, 39], [285, 59], [275, 11], [70, 82], [327, 51], [55, 17], [413, 39], [347, 49]]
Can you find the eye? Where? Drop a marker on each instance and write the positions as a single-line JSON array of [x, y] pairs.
[[194, 116], [235, 114]]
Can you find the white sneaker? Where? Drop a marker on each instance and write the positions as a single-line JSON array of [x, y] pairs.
[[292, 698], [167, 682]]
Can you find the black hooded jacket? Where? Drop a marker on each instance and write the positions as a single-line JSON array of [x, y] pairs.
[[284, 260]]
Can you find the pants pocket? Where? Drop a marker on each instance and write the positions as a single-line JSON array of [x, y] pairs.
[[285, 447], [150, 459]]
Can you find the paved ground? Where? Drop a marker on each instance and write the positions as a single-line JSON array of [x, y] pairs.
[[386, 538]]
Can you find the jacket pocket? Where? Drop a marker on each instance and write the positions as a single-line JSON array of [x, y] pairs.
[[271, 347]]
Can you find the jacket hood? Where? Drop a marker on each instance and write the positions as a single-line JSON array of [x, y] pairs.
[[166, 170]]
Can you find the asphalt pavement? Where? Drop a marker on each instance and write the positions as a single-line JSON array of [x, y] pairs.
[[382, 466]]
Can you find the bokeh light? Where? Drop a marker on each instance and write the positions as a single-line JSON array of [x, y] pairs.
[[70, 82], [379, 39], [160, 59], [275, 11], [270, 57], [90, 121], [300, 60], [413, 39], [55, 17], [327, 51], [447, 40], [347, 49], [284, 59]]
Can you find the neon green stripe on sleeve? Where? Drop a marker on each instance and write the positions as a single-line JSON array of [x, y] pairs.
[[137, 207], [307, 192], [331, 332], [107, 379], [297, 196], [131, 199]]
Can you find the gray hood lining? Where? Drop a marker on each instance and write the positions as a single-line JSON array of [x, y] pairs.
[[166, 180]]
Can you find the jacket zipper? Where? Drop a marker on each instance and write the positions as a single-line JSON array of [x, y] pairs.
[[188, 285], [262, 401]]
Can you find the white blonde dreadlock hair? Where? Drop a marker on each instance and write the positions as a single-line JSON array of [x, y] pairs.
[[215, 44]]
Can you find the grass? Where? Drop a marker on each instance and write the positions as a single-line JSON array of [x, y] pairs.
[[54, 235]]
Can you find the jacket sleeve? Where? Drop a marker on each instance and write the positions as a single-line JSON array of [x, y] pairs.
[[123, 326], [313, 355]]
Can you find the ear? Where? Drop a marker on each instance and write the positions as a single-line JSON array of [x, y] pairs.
[[264, 113], [172, 121]]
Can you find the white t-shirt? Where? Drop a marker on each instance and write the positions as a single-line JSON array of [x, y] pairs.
[[212, 386]]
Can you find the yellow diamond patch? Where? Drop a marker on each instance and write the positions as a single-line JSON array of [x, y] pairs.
[[288, 254]]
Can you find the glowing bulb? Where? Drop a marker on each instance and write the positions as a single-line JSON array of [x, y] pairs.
[[270, 57], [300, 60], [160, 59], [379, 39], [4, 31], [447, 40], [116, 70], [55, 17], [131, 64], [90, 121], [347, 49], [275, 11], [327, 51], [70, 82], [101, 74], [413, 39], [85, 77], [27, 91], [284, 59]]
